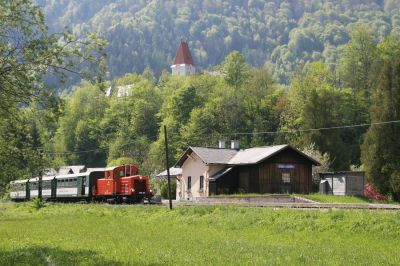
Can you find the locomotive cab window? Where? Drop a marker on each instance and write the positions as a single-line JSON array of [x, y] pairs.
[[108, 174]]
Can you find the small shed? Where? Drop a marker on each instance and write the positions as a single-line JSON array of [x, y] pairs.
[[342, 183]]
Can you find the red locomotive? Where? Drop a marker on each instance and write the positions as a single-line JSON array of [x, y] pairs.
[[113, 184], [123, 184]]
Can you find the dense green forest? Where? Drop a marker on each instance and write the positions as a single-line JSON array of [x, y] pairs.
[[246, 101], [281, 33]]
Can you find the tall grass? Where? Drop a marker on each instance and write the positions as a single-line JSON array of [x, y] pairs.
[[71, 234]]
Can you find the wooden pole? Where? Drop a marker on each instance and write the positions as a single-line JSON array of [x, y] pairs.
[[40, 186], [40, 181], [167, 164]]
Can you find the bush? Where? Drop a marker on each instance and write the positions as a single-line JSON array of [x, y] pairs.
[[371, 193], [38, 203], [5, 193], [163, 185]]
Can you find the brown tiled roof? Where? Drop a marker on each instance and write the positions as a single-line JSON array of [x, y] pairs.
[[183, 55]]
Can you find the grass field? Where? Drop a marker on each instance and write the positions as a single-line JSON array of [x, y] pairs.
[[73, 234]]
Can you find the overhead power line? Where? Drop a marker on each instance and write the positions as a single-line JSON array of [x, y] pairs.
[[92, 150], [237, 134], [312, 129]]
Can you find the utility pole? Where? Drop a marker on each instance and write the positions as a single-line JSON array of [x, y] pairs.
[[40, 183], [167, 164]]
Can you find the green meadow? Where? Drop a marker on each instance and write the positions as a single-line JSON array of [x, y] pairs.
[[94, 234]]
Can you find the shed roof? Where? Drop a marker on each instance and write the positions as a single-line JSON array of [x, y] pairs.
[[173, 171], [349, 174], [342, 172], [183, 55], [71, 169]]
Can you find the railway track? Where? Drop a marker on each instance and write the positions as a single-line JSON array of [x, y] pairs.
[[390, 207]]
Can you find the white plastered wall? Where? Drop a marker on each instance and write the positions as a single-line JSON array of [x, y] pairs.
[[183, 70], [195, 167]]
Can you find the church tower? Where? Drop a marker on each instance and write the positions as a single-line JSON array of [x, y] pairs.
[[183, 63]]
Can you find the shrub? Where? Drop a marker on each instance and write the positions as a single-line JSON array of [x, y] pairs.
[[164, 188], [38, 203], [371, 193]]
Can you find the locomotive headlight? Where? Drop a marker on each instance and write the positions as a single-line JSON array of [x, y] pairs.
[[133, 190]]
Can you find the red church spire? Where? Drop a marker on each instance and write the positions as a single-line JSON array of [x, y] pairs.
[[183, 55]]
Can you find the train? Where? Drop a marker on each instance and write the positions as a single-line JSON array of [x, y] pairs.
[[117, 184]]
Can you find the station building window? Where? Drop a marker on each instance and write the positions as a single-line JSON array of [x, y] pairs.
[[189, 182], [201, 182]]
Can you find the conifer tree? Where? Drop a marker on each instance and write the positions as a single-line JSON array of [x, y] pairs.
[[381, 147]]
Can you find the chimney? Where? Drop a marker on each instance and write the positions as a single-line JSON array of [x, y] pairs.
[[221, 144], [235, 145]]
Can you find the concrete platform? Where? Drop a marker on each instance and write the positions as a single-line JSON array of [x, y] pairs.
[[279, 201]]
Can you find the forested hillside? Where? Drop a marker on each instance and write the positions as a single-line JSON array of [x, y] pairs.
[[343, 109], [283, 33]]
